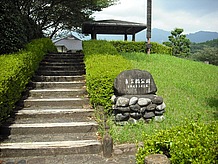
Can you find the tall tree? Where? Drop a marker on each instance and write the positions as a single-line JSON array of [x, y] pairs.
[[51, 16], [179, 43], [12, 29]]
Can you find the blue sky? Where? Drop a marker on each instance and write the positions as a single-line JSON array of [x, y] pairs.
[[191, 15]]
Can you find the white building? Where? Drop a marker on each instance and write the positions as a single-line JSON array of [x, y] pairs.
[[68, 44]]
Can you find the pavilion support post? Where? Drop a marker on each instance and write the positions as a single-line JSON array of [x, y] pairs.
[[93, 35], [133, 37], [125, 37]]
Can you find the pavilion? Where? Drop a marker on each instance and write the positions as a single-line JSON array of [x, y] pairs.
[[112, 27]]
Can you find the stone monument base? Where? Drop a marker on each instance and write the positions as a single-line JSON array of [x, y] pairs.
[[135, 98]]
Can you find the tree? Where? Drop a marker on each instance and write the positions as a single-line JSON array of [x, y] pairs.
[[12, 29], [179, 43], [24, 20], [50, 16], [207, 54]]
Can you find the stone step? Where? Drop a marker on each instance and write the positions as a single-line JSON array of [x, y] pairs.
[[48, 137], [58, 78], [65, 53], [76, 67], [59, 85], [65, 60], [57, 93], [61, 72], [49, 128], [50, 148], [69, 63], [56, 102], [63, 56], [56, 118], [125, 158], [54, 115]]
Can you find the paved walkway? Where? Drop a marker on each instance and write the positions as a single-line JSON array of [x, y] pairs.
[[123, 154]]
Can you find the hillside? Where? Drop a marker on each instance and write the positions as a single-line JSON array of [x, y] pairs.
[[187, 87]]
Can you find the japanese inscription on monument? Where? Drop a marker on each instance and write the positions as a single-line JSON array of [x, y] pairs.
[[134, 82], [135, 97]]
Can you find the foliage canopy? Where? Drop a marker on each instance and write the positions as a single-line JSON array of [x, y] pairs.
[[179, 43], [205, 51], [54, 15], [24, 20]]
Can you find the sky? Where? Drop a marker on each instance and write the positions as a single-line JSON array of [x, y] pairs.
[[191, 15]]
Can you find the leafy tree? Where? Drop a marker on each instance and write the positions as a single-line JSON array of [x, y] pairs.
[[205, 51], [54, 15], [179, 43], [12, 29], [209, 54], [24, 20]]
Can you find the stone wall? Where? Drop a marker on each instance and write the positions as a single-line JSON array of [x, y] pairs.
[[135, 97]]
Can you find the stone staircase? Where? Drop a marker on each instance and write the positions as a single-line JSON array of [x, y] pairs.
[[56, 118]]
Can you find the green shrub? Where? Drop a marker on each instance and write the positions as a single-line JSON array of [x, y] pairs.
[[125, 46], [160, 49], [190, 143], [98, 47], [16, 71], [103, 64]]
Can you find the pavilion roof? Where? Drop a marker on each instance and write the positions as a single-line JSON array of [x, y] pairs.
[[112, 27]]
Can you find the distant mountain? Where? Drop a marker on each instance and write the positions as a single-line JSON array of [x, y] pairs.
[[202, 36], [160, 36], [157, 35]]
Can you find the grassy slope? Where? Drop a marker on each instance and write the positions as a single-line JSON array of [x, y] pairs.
[[189, 89]]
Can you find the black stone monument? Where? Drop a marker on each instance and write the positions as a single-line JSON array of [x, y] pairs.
[[135, 97]]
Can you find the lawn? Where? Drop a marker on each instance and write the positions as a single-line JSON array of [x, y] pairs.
[[189, 89]]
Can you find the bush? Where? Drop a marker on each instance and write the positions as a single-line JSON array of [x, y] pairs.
[[124, 46], [16, 71], [103, 64], [98, 47], [209, 54], [191, 143]]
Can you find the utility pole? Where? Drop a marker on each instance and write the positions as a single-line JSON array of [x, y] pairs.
[[149, 11]]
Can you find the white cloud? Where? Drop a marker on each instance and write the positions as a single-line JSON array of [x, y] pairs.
[[126, 10], [167, 16]]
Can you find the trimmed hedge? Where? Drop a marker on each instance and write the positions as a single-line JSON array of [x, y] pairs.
[[103, 64], [192, 143], [98, 47], [126, 46], [16, 71]]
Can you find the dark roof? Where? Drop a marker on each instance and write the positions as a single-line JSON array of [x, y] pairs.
[[70, 36], [112, 27]]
